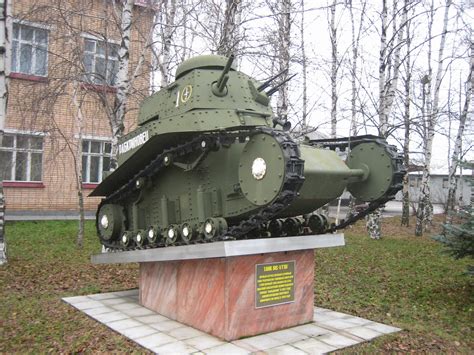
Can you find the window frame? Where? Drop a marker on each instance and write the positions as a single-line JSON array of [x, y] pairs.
[[34, 44], [90, 76], [29, 151], [102, 154]]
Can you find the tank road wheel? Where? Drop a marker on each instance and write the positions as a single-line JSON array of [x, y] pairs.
[[262, 169], [125, 240], [153, 234], [140, 238], [213, 227], [109, 222], [187, 233], [171, 235]]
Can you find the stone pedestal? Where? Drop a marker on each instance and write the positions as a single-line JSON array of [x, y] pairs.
[[215, 287], [218, 295]]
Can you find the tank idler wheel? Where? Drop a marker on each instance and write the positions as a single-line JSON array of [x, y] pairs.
[[140, 238], [171, 235], [153, 234], [213, 227], [187, 233], [125, 240]]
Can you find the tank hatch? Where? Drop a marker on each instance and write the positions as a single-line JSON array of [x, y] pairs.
[[202, 62]]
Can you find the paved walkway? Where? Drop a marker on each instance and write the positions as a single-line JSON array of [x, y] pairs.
[[121, 312]]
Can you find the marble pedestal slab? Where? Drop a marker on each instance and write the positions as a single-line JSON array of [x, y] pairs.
[[217, 295], [211, 286]]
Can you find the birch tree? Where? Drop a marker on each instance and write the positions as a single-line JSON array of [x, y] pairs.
[[389, 68], [405, 220], [464, 120], [431, 91], [229, 37], [5, 33], [166, 18], [334, 68], [284, 35], [304, 69]]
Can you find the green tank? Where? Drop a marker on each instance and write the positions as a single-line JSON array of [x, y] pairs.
[[210, 161]]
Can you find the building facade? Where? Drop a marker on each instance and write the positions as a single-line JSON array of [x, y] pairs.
[[63, 61]]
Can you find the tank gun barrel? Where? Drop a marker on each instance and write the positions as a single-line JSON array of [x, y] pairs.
[[275, 89], [269, 81], [222, 81]]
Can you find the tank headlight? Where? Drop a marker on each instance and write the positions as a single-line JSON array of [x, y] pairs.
[[259, 168], [208, 227], [185, 231], [104, 221]]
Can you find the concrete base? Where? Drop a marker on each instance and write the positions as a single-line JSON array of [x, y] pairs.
[[218, 295], [120, 311]]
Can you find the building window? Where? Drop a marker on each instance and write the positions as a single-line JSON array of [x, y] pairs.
[[100, 61], [29, 50], [21, 157], [95, 159], [445, 183]]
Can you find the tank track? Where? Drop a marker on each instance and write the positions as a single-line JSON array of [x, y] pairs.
[[292, 182], [397, 177]]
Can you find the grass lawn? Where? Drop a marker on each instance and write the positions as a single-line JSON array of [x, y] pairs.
[[400, 280]]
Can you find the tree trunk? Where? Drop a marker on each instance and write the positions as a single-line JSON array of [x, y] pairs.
[[334, 67], [284, 28], [383, 116], [405, 221], [167, 39], [77, 155], [425, 213], [123, 81], [304, 68], [464, 119], [5, 59], [229, 39]]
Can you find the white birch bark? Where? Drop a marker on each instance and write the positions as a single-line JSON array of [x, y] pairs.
[[5, 59], [304, 68], [229, 37], [168, 29], [383, 115], [334, 67], [284, 28], [405, 220], [464, 120], [425, 207], [123, 80]]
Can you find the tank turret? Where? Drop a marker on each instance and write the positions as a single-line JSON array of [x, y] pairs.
[[210, 161]]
